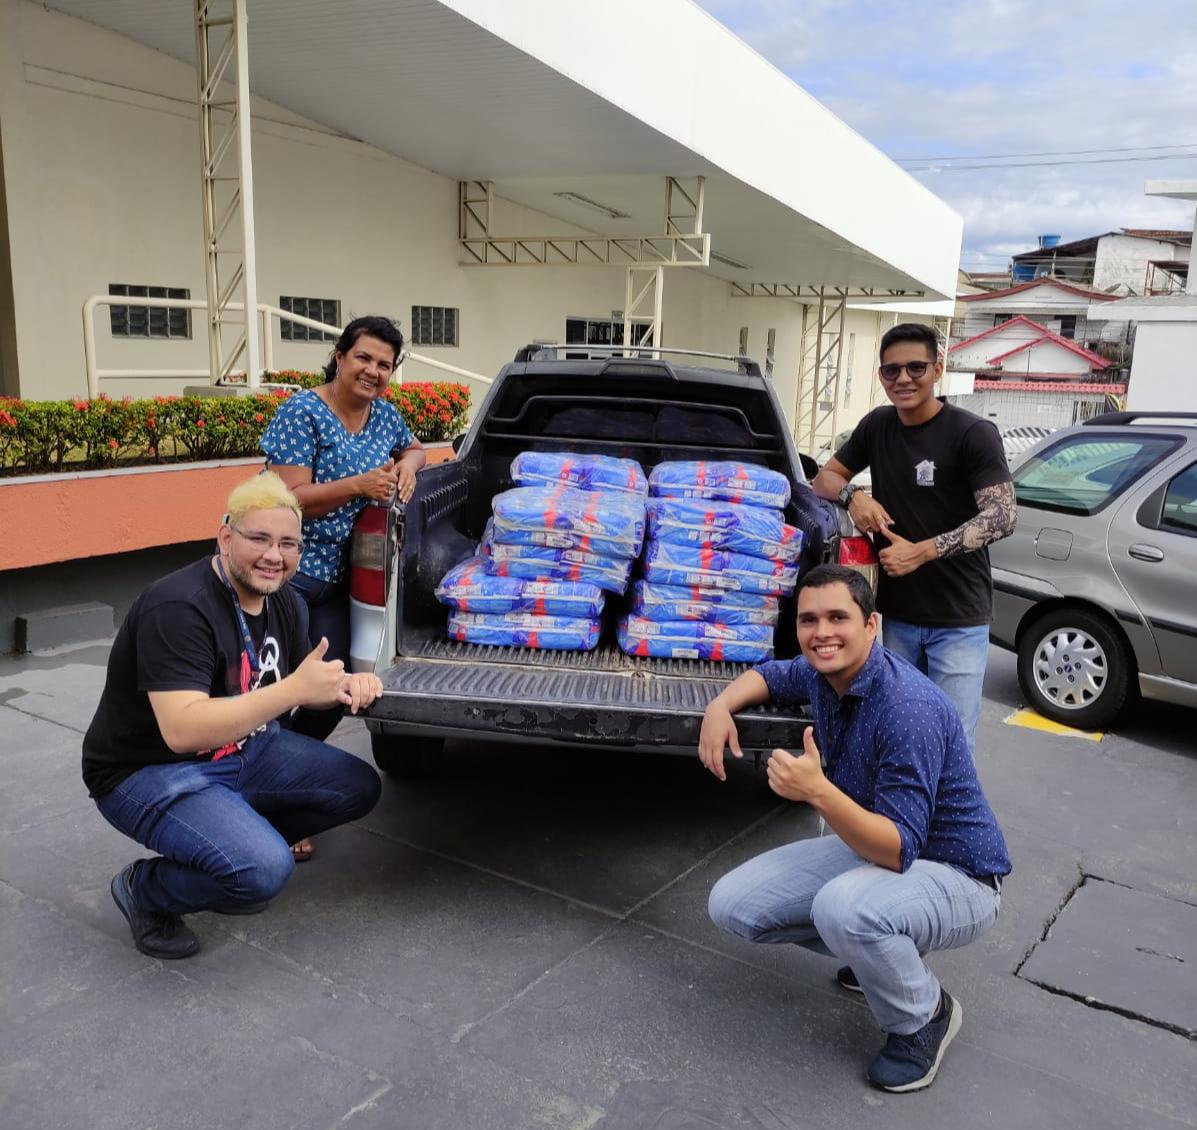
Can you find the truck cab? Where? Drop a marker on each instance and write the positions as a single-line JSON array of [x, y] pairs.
[[650, 409]]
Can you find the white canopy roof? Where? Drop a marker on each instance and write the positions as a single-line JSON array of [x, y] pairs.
[[550, 96]]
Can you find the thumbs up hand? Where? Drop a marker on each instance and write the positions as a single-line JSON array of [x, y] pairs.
[[901, 556], [801, 777]]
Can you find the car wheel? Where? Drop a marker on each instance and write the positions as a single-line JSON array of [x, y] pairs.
[[1075, 667], [408, 758]]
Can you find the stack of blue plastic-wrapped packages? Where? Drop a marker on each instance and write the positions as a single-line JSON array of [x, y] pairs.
[[718, 558], [556, 543]]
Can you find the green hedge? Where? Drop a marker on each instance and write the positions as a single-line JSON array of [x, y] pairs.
[[38, 436]]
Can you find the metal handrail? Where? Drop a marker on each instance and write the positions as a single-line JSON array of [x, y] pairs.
[[265, 312]]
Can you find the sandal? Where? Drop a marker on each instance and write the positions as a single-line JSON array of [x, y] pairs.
[[302, 851]]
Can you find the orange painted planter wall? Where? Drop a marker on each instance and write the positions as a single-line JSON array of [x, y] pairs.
[[101, 512]]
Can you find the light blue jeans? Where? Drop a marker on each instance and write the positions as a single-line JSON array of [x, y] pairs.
[[952, 658], [821, 895]]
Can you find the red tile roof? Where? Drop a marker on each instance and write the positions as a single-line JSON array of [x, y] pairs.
[[1041, 333], [1043, 382], [1083, 291]]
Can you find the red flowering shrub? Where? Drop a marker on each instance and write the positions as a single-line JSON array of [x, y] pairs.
[[37, 436]]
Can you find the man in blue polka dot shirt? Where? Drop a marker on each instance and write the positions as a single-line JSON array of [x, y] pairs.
[[915, 858]]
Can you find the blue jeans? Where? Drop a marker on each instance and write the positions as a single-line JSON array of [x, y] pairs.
[[328, 615], [821, 895], [952, 658], [223, 828]]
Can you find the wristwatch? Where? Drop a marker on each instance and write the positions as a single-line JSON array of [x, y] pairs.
[[845, 496]]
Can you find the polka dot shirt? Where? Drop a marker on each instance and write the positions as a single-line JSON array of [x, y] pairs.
[[305, 432], [895, 745]]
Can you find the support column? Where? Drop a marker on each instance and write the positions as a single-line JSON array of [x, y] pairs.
[[226, 185], [643, 290], [817, 404]]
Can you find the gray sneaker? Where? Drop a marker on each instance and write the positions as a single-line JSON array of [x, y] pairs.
[[154, 933], [846, 979], [909, 1063]]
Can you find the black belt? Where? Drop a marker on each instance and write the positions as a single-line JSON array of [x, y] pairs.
[[993, 881]]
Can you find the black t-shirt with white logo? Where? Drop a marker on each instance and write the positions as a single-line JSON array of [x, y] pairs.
[[926, 476], [182, 634]]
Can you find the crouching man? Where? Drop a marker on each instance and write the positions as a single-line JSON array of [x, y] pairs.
[[188, 752], [916, 859]]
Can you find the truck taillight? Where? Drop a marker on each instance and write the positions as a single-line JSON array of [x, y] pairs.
[[368, 557], [858, 553]]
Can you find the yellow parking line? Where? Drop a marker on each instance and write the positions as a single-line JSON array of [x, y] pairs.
[[1033, 721]]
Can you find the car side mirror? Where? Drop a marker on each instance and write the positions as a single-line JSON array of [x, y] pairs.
[[458, 440]]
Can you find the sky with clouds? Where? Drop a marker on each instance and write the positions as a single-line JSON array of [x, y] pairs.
[[922, 79]]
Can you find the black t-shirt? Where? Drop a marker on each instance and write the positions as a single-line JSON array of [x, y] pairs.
[[182, 634], [926, 476]]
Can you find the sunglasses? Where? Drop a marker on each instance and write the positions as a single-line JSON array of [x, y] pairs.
[[917, 369]]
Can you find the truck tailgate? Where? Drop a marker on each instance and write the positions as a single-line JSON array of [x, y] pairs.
[[602, 697]]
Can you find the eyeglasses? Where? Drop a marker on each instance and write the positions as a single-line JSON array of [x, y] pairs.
[[892, 371], [288, 547]]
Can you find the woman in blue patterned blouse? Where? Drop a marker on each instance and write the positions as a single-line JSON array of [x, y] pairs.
[[337, 447]]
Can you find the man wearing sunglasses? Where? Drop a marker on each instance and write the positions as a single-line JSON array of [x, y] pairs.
[[189, 752], [941, 494]]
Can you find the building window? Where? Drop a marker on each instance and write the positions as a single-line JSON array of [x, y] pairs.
[[603, 334], [149, 321], [326, 310], [434, 325], [743, 341], [1000, 319], [1068, 326]]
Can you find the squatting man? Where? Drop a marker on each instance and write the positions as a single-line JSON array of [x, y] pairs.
[[189, 751], [915, 858]]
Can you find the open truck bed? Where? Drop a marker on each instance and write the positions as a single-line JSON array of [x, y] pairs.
[[647, 410]]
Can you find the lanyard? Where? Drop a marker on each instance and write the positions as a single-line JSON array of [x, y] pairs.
[[251, 650]]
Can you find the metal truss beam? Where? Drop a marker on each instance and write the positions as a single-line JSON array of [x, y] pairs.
[[681, 244], [227, 192], [643, 291], [817, 403], [804, 293]]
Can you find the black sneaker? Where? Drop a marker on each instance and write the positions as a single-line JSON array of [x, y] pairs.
[[846, 979], [909, 1063], [154, 933]]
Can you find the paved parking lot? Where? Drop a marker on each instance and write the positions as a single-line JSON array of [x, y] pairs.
[[522, 941]]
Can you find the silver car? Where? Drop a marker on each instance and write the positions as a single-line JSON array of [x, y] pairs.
[[1096, 590]]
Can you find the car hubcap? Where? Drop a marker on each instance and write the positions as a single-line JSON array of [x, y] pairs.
[[1070, 668]]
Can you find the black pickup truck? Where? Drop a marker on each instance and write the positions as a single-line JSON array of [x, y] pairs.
[[645, 409]]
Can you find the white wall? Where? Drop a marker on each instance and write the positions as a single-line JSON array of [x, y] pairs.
[[1122, 260], [1162, 376], [1045, 357]]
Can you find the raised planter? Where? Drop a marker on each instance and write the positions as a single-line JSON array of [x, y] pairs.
[[51, 518]]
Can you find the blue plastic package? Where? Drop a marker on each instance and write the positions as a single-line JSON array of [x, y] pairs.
[[588, 472], [610, 573], [607, 522], [547, 633], [668, 564], [729, 481], [486, 545], [713, 524], [745, 643], [672, 602], [469, 587]]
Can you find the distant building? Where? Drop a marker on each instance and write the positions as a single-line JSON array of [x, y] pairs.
[[1061, 308], [1025, 373], [1131, 261]]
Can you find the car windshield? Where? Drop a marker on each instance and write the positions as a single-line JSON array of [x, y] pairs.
[[1082, 473]]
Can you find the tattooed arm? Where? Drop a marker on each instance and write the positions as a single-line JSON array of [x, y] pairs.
[[997, 513]]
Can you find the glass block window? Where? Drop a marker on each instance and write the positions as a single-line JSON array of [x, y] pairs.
[[434, 325], [149, 321], [326, 310]]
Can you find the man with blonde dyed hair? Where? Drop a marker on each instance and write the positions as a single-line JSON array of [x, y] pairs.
[[190, 751]]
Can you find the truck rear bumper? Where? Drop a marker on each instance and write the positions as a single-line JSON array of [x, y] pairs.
[[487, 700]]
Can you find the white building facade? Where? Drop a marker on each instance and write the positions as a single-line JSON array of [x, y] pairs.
[[357, 204]]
